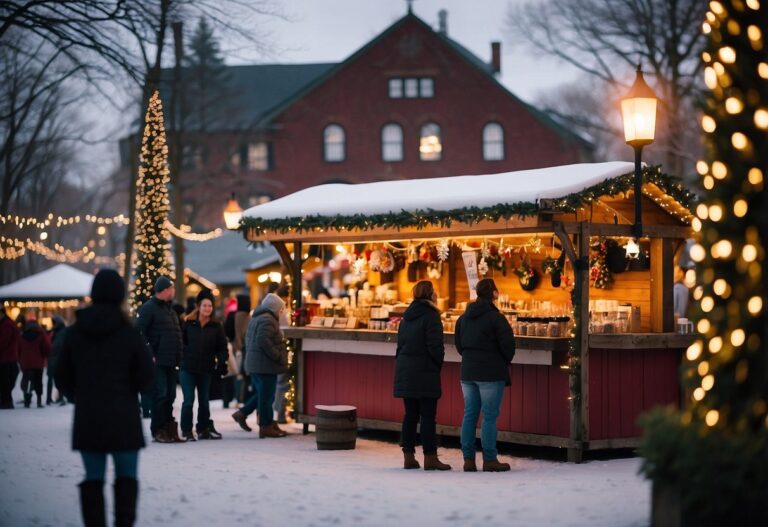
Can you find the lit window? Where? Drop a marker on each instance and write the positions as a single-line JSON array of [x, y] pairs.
[[333, 143], [493, 142], [395, 88], [411, 88], [430, 146], [426, 88], [392, 142], [258, 156]]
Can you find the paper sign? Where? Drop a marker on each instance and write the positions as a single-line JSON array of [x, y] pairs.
[[470, 266]]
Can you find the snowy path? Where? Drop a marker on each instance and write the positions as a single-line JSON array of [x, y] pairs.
[[243, 480]]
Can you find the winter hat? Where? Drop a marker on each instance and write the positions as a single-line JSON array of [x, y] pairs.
[[108, 287], [161, 284], [273, 302], [203, 294], [485, 288], [244, 303]]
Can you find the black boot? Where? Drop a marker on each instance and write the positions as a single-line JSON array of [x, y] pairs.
[[126, 495], [92, 503], [27, 400], [39, 401]]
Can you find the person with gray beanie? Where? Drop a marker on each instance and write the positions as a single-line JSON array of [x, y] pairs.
[[104, 364], [266, 357]]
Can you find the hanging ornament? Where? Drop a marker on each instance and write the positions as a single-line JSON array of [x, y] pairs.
[[535, 244], [359, 266], [386, 262], [374, 262], [443, 250], [599, 273], [413, 253], [482, 267], [484, 251], [434, 270]]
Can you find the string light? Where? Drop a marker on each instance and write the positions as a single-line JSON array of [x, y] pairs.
[[61, 221], [185, 232]]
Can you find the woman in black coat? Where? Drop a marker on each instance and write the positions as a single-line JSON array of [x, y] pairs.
[[204, 355], [418, 361], [104, 364]]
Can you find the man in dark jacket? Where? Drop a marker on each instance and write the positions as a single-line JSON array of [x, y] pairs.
[[9, 356], [418, 361], [104, 363], [159, 324], [486, 344]]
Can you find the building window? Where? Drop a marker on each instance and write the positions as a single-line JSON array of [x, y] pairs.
[[395, 88], [258, 156], [411, 88], [333, 143], [493, 142], [430, 145], [392, 142]]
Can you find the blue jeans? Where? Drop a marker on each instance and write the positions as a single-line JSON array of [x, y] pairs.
[[264, 386], [126, 464], [189, 382], [163, 395], [485, 396]]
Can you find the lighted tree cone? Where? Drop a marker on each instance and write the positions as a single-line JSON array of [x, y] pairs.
[[151, 243], [716, 450]]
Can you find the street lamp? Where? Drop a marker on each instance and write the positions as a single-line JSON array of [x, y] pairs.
[[638, 110], [232, 214]]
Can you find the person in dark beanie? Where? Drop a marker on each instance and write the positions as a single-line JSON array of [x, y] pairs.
[[486, 344], [160, 325], [104, 364], [418, 361], [205, 354], [266, 358], [9, 357], [34, 349], [59, 327]]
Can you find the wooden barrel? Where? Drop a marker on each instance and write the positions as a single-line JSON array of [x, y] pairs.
[[336, 427]]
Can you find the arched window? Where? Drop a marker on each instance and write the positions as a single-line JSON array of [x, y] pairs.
[[334, 148], [493, 142], [430, 144], [392, 142]]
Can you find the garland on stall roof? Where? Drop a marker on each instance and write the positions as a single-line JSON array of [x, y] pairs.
[[422, 219]]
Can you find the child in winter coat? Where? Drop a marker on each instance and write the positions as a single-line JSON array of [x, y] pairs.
[[34, 348]]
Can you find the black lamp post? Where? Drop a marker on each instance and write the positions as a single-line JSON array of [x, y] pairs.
[[638, 110]]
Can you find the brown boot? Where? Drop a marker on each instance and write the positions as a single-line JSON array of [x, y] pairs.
[[161, 436], [239, 418], [494, 465], [470, 465], [410, 461], [172, 429], [431, 462], [271, 430]]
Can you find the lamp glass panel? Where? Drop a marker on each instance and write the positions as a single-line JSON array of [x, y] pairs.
[[639, 116]]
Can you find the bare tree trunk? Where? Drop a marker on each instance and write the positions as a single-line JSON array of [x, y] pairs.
[[176, 162]]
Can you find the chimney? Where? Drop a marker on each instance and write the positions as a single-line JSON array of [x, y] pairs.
[[496, 57], [442, 24]]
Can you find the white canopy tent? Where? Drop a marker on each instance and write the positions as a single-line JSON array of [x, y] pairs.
[[60, 282]]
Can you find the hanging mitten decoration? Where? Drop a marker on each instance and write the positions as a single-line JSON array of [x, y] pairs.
[[443, 250]]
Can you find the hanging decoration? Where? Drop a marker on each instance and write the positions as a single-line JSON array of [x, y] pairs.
[[443, 250], [554, 268], [599, 273], [535, 244], [359, 266], [374, 261], [482, 267], [527, 275], [386, 262]]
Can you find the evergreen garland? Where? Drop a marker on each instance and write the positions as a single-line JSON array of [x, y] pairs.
[[715, 452], [152, 246], [422, 219]]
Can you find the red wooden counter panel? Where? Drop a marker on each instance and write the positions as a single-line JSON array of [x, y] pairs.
[[536, 403]]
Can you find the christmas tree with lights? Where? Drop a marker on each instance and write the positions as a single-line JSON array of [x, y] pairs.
[[151, 243], [714, 454]]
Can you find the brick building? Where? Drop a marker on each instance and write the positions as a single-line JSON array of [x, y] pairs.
[[412, 103]]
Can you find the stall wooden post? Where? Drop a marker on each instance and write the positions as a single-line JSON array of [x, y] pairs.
[[662, 276]]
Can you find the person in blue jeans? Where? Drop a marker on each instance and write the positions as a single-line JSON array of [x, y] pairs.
[[204, 355], [104, 363], [485, 341], [266, 357]]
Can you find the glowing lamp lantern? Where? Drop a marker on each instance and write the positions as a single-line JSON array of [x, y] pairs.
[[632, 249], [638, 110], [232, 214]]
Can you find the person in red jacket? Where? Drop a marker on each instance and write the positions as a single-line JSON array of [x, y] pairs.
[[34, 348], [9, 356]]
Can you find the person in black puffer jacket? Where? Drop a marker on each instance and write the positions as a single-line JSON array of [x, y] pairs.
[[205, 354], [103, 365], [418, 361], [486, 344], [160, 326]]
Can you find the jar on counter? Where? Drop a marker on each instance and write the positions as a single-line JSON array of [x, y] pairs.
[[553, 328]]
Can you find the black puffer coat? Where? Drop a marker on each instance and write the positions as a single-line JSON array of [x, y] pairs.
[[420, 352], [104, 364], [485, 341], [160, 326], [205, 348]]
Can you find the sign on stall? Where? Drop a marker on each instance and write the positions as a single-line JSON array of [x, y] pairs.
[[470, 266]]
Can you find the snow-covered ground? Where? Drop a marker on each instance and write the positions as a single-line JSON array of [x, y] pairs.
[[244, 480]]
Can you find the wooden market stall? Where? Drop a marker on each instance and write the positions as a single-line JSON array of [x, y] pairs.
[[580, 379]]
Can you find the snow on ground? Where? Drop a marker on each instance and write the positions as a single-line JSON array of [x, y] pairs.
[[244, 480]]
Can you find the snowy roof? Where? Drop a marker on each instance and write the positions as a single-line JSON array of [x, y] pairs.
[[526, 186], [60, 282], [223, 260]]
